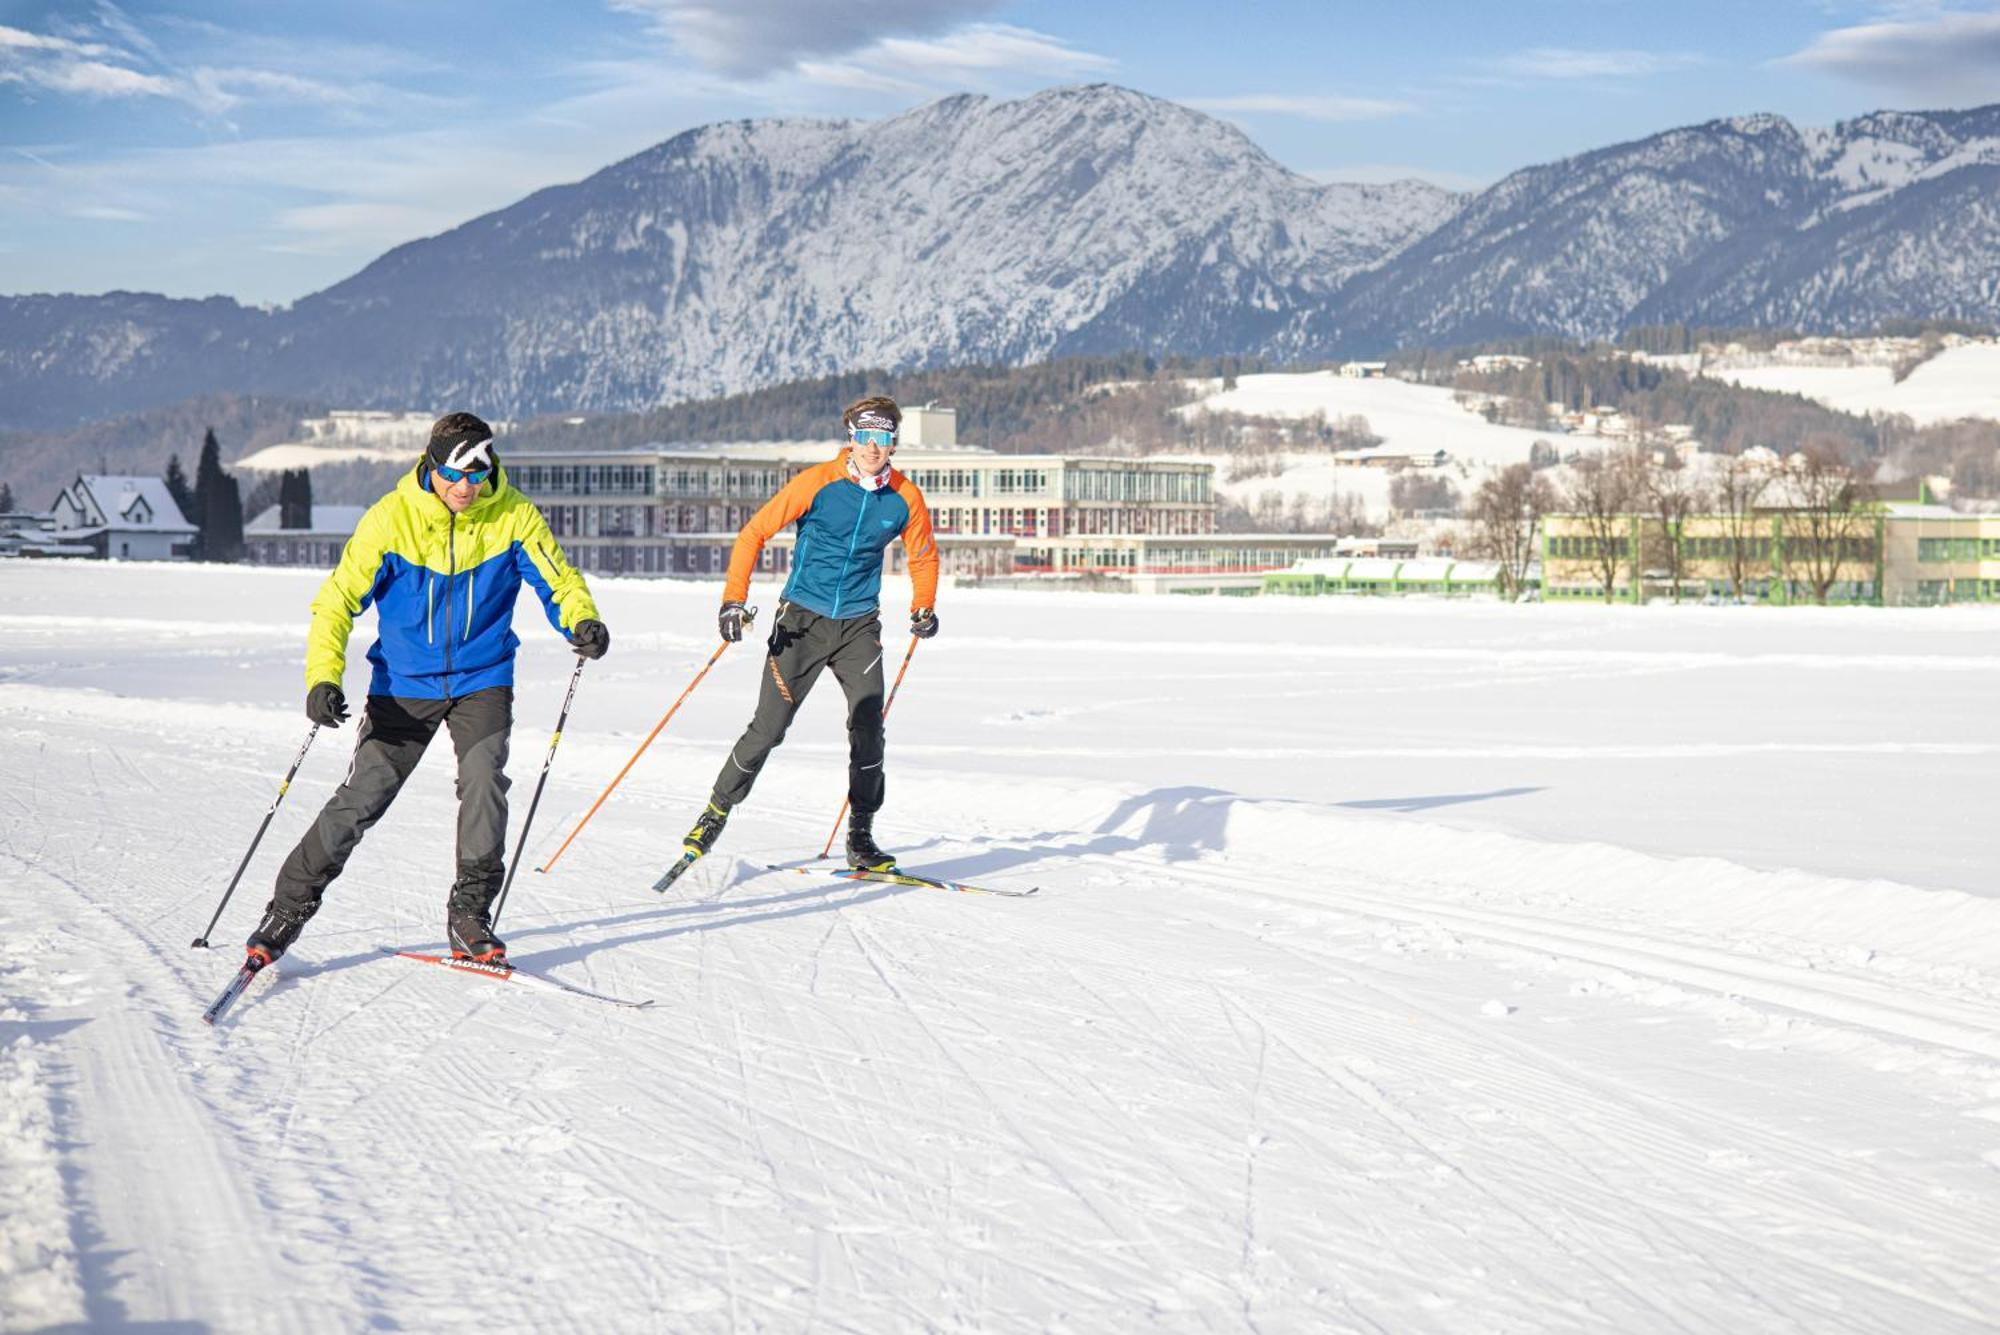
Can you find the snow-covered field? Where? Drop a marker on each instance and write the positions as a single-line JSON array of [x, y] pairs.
[[1397, 967], [1958, 382]]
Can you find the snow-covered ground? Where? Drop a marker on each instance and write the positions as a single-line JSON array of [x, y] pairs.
[[1404, 967], [1407, 416], [1959, 382]]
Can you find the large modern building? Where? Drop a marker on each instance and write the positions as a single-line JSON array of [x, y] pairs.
[[1146, 523], [1898, 554]]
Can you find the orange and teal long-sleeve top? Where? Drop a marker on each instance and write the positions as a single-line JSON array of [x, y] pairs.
[[843, 531], [443, 587]]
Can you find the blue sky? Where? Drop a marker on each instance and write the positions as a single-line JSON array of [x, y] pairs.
[[265, 150]]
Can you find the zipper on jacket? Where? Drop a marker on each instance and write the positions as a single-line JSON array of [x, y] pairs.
[[840, 587], [470, 575], [451, 570], [430, 609]]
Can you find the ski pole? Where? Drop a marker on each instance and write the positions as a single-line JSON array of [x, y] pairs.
[[748, 617], [201, 942], [887, 705], [547, 760]]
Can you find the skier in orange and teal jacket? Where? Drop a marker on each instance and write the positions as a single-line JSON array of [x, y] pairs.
[[848, 510]]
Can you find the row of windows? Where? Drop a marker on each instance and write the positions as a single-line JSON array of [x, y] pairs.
[[1796, 548], [1958, 590], [1724, 549], [1187, 487], [1582, 549], [946, 481], [1958, 549], [584, 479]]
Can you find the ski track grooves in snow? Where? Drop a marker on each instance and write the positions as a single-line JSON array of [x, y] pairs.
[[1232, 1071]]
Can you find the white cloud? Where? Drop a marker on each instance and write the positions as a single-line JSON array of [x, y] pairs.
[[109, 213], [1557, 62], [1545, 63], [100, 69], [62, 65], [1952, 58], [1333, 109], [758, 38], [972, 56], [337, 229]]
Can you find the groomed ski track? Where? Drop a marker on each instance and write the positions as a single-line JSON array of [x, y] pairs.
[[1254, 1059]]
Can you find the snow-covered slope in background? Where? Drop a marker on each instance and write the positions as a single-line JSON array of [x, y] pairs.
[[1958, 382], [1407, 416], [1406, 967]]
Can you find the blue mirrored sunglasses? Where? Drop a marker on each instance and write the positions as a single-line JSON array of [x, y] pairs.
[[885, 439], [476, 476]]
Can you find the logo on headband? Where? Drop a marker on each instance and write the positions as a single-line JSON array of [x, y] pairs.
[[872, 421], [471, 456]]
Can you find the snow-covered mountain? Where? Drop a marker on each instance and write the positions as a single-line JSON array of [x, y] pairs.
[[1746, 221], [1078, 220], [752, 252]]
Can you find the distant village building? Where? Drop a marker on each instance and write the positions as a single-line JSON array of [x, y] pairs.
[[1364, 370], [122, 519], [27, 534], [1389, 457], [316, 543]]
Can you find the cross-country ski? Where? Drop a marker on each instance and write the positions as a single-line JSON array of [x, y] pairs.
[[506, 971], [904, 876]]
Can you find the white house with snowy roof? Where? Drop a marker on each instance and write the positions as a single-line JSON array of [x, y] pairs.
[[122, 518]]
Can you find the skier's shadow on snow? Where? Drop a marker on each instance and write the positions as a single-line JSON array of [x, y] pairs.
[[1184, 823]]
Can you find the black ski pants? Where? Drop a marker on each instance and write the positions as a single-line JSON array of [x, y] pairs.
[[803, 643], [394, 732]]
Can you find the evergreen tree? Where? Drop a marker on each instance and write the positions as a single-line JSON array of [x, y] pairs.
[[295, 499], [177, 487], [6, 499], [219, 503]]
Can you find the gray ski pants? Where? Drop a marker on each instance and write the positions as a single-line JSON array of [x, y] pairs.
[[394, 733], [803, 643]]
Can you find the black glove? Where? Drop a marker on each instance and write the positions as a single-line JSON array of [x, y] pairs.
[[590, 639], [730, 621], [326, 706], [923, 623]]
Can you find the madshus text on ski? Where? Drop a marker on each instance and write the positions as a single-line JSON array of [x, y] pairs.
[[441, 559]]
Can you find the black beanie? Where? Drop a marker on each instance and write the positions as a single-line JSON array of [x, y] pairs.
[[461, 441]]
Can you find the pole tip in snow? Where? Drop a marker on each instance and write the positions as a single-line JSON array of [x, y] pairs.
[[200, 943]]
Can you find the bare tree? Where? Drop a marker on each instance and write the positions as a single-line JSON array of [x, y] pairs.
[[1601, 494], [1506, 511], [1831, 520], [1672, 493], [1740, 485]]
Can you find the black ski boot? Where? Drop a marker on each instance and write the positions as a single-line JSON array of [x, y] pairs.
[[707, 829], [470, 931], [862, 854], [275, 934]]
